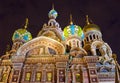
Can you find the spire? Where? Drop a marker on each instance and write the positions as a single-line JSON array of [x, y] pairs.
[[87, 20], [52, 13], [71, 22], [26, 23], [53, 6]]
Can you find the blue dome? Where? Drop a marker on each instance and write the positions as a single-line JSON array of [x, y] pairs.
[[53, 14], [22, 34]]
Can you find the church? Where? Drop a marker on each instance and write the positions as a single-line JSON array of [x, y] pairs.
[[71, 55]]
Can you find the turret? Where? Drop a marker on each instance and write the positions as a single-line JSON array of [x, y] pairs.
[[93, 43], [92, 32], [73, 36], [52, 29]]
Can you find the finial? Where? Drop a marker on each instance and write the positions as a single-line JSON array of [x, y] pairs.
[[71, 22], [53, 6], [87, 20], [52, 13], [26, 23]]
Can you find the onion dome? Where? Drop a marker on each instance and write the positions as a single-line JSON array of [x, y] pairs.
[[52, 13], [73, 30], [90, 26], [52, 29], [22, 34]]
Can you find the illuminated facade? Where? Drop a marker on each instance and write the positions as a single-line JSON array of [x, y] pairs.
[[55, 56]]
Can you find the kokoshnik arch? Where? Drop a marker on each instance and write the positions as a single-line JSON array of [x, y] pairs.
[[74, 55]]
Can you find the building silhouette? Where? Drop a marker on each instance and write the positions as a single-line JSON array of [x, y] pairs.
[[72, 55]]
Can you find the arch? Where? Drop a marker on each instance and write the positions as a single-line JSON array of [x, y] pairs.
[[51, 51], [87, 39], [104, 49], [78, 52], [51, 22], [41, 41], [104, 69], [70, 44], [94, 36], [98, 52], [98, 64], [90, 37], [96, 45], [84, 41], [78, 44], [97, 37], [109, 51]]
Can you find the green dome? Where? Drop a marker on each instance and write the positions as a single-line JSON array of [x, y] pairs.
[[22, 34], [90, 27], [73, 30]]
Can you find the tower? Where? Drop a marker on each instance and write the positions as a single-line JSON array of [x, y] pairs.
[[52, 29], [93, 42], [95, 46], [73, 36]]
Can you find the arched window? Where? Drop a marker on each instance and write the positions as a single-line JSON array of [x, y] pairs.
[[49, 76], [90, 37], [94, 36], [97, 37], [78, 44], [98, 64], [68, 48], [82, 43], [27, 76], [70, 43], [51, 51], [98, 52], [4, 77], [87, 39], [78, 77], [51, 23], [38, 76]]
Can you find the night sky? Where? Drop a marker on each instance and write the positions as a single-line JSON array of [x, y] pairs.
[[104, 13]]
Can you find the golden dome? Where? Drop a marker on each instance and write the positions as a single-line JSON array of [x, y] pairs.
[[90, 26]]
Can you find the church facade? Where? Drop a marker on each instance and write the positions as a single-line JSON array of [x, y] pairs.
[[71, 55]]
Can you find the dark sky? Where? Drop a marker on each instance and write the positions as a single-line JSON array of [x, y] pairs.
[[104, 13]]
